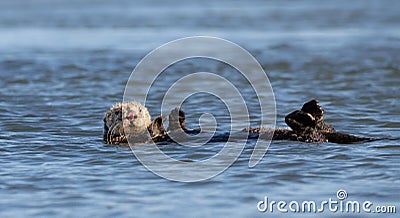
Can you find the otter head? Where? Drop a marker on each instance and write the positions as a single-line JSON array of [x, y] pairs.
[[312, 107], [135, 119], [126, 119]]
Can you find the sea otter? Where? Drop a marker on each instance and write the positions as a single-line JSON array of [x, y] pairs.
[[131, 120], [307, 125]]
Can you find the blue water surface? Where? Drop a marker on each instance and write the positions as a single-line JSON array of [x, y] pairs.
[[64, 63]]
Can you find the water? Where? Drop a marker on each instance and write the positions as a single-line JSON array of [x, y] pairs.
[[63, 63]]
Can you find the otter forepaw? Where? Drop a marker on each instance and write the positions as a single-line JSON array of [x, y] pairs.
[[156, 127], [176, 120]]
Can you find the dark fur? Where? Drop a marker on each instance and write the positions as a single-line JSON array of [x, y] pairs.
[[308, 125]]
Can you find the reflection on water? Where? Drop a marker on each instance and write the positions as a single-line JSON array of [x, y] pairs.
[[63, 63]]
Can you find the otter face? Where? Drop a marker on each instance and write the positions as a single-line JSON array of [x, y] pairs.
[[135, 118]]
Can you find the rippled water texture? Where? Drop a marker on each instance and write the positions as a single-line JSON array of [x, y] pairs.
[[63, 63]]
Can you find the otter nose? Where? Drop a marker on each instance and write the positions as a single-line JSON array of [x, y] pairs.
[[131, 117]]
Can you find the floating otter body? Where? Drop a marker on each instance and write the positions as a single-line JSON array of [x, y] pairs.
[[131, 122]]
